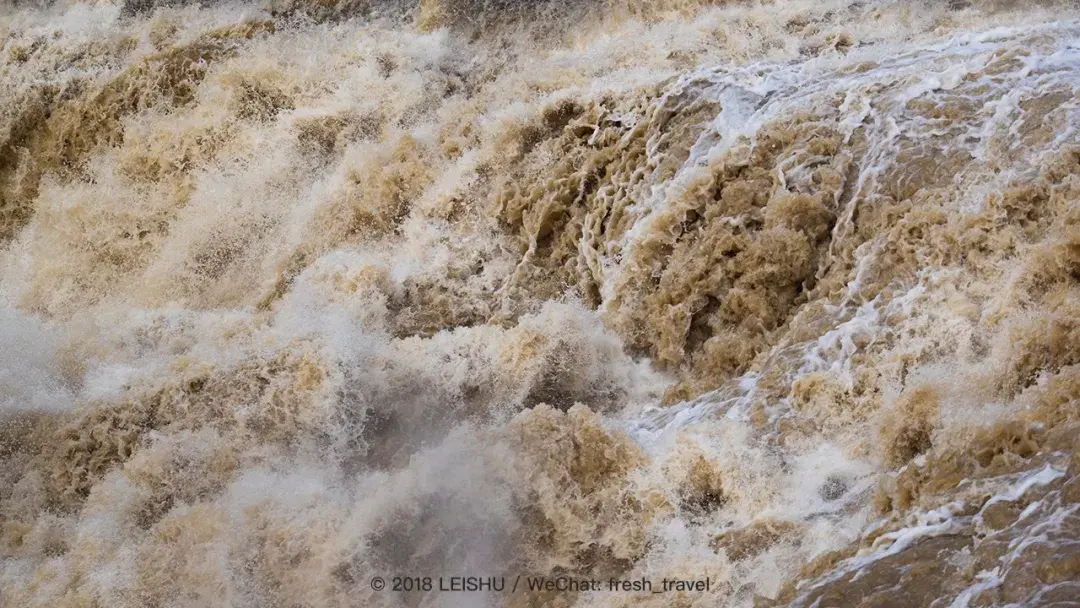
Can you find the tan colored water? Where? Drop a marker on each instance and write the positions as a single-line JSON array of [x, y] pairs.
[[784, 295]]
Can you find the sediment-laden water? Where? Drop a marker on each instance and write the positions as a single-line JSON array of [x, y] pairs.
[[782, 295]]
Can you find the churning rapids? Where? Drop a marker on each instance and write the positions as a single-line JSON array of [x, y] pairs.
[[785, 295]]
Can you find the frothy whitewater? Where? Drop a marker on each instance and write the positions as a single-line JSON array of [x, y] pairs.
[[782, 295]]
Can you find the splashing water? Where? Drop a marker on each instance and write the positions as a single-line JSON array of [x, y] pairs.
[[785, 296]]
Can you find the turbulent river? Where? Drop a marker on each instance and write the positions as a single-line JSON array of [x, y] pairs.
[[784, 296]]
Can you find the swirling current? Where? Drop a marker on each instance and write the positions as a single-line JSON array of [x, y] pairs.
[[783, 295]]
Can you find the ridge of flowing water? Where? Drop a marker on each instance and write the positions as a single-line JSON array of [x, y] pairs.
[[782, 295]]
